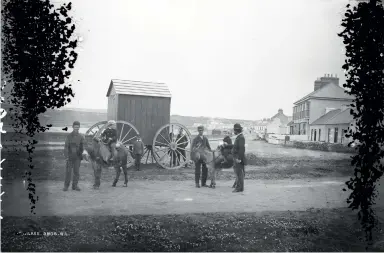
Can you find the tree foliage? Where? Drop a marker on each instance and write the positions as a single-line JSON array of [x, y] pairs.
[[38, 52], [363, 37]]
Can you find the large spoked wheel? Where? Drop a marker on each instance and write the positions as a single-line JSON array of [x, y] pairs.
[[126, 134], [93, 130], [172, 146]]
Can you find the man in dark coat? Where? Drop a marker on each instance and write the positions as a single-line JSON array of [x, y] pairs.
[[238, 152], [73, 150], [199, 145], [172, 153], [109, 137], [138, 151]]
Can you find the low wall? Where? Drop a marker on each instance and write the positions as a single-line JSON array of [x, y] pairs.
[[321, 146], [298, 137]]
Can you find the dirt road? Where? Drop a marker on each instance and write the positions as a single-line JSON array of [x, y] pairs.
[[175, 197]]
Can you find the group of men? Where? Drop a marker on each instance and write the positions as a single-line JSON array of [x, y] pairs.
[[232, 155], [75, 145]]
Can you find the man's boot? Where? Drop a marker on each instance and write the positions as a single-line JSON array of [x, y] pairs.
[[197, 185]]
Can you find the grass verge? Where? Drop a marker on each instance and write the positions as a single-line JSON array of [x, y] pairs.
[[312, 230]]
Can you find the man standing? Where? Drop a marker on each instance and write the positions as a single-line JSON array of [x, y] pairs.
[[138, 150], [73, 150], [238, 152], [182, 142], [199, 146], [109, 137]]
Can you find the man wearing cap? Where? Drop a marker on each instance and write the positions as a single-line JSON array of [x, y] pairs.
[[138, 151], [238, 152], [199, 145], [73, 150], [109, 137]]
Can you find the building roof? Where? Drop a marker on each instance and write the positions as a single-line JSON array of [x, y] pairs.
[[344, 117], [329, 90], [290, 123], [280, 115], [139, 88], [335, 117]]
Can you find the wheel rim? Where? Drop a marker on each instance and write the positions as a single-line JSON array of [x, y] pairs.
[[171, 151], [93, 130], [126, 134]]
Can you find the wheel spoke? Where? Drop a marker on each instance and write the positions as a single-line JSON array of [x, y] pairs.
[[185, 149], [181, 155], [129, 139], [167, 145], [166, 153], [121, 132], [182, 143], [177, 141], [165, 139], [126, 135], [147, 156]]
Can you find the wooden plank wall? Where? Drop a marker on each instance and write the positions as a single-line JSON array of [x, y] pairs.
[[112, 105], [147, 114]]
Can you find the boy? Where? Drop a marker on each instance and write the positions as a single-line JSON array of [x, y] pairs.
[[138, 150]]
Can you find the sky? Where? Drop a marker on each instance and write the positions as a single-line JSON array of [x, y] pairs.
[[220, 58]]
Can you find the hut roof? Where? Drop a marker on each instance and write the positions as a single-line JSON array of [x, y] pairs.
[[139, 88]]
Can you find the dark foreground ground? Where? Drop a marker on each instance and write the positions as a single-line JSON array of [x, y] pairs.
[[313, 230]]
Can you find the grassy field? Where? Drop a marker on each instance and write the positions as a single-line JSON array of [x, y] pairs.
[[313, 230]]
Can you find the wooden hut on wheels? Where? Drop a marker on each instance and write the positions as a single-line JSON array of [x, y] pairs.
[[146, 105]]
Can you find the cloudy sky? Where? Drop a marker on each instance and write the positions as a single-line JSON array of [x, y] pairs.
[[220, 58]]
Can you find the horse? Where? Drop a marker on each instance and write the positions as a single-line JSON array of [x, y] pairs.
[[93, 155]]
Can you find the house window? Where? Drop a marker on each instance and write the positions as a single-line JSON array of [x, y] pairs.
[[336, 135], [314, 137], [319, 134], [342, 136], [311, 134], [329, 135], [299, 129], [304, 129]]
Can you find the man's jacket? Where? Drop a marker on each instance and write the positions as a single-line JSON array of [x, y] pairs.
[[238, 149], [200, 143], [138, 147], [74, 146], [109, 133]]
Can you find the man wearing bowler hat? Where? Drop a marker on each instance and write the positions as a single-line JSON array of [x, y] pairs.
[[73, 150], [238, 152], [199, 145]]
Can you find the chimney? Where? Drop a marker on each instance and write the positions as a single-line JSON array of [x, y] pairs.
[[326, 79], [280, 111]]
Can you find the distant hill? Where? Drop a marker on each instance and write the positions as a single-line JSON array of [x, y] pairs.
[[88, 117]]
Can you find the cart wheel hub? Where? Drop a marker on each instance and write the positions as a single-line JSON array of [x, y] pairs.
[[173, 146]]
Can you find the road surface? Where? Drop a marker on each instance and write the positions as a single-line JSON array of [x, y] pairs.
[[175, 197]]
